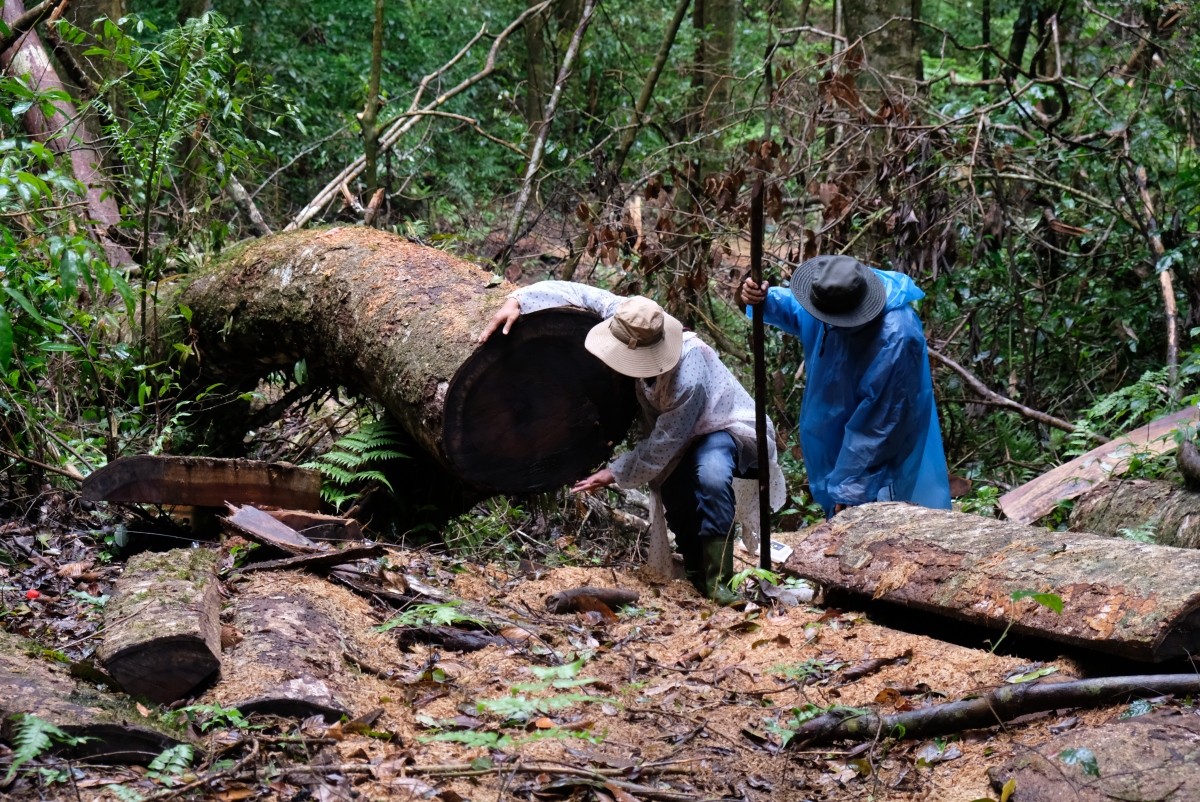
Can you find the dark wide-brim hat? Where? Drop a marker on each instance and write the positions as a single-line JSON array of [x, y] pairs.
[[839, 290]]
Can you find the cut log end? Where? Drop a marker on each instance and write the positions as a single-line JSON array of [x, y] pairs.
[[164, 670], [533, 410]]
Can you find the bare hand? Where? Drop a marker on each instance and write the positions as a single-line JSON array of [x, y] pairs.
[[505, 316], [596, 481], [839, 507], [751, 294]]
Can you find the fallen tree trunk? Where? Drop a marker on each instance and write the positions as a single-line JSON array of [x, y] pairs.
[[529, 411], [162, 628], [1001, 705], [29, 685], [1118, 596], [1164, 511], [295, 629]]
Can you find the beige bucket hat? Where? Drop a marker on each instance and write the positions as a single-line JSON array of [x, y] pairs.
[[640, 340]]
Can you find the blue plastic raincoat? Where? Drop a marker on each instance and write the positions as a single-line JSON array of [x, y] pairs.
[[868, 423]]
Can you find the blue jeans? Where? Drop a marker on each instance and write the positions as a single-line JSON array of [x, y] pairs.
[[698, 495]]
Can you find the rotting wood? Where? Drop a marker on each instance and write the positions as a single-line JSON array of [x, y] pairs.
[[1164, 511], [264, 529], [204, 482], [162, 633], [1122, 597], [567, 601], [29, 685], [1036, 498], [528, 411], [1150, 758], [316, 560], [295, 629], [315, 526], [453, 639], [998, 706]]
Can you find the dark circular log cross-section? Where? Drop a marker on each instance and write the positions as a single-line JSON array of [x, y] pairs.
[[533, 410], [399, 322]]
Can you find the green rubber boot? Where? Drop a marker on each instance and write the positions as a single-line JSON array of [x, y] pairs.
[[716, 555]]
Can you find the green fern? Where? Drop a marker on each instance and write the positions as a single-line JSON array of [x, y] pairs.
[[32, 738], [171, 764], [424, 615], [356, 459]]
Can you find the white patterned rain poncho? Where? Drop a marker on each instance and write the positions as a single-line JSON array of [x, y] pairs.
[[698, 396]]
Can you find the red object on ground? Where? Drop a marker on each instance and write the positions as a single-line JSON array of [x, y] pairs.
[[31, 594]]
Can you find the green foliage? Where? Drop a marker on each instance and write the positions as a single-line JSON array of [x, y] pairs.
[[757, 573], [1138, 707], [357, 459], [1050, 601], [424, 615], [799, 716], [1142, 533], [32, 737], [1082, 757], [207, 717], [982, 501], [170, 764]]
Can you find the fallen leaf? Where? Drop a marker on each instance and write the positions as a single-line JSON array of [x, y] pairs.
[[543, 723], [412, 788], [230, 637], [1008, 790], [73, 570], [619, 794], [234, 794], [145, 711], [590, 604]]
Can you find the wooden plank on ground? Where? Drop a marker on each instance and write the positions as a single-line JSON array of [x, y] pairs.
[[1036, 498], [204, 482], [257, 525]]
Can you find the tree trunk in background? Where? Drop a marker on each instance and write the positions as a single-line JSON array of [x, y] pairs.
[[895, 50], [541, 66], [1131, 599], [1169, 512], [715, 24], [1020, 38], [192, 8], [64, 133], [370, 116], [525, 412], [191, 184]]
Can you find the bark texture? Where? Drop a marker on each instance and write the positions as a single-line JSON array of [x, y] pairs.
[[64, 131], [1132, 599], [397, 321], [41, 688], [162, 632], [204, 482], [1151, 758], [1168, 513], [894, 50]]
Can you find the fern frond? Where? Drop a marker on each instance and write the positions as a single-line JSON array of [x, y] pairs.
[[32, 738]]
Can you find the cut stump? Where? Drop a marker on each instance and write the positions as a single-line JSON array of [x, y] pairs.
[[527, 411], [1119, 596], [162, 629], [1167, 512], [29, 685], [1151, 758], [204, 482]]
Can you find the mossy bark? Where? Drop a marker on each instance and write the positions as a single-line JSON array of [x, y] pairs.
[[1132, 599], [32, 685], [162, 633], [1166, 512]]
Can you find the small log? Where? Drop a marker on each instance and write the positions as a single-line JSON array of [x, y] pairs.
[[1172, 511], [43, 689], [204, 482], [1122, 597], [1003, 704], [295, 629], [254, 524], [567, 601], [1038, 497], [317, 560], [1150, 758], [162, 629], [453, 639], [315, 526]]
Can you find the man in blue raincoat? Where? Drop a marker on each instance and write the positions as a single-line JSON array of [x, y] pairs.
[[868, 424]]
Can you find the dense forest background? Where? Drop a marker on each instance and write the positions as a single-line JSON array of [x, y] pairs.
[[1032, 165]]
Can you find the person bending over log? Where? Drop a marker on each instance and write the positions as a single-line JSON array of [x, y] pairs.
[[699, 418], [868, 423]]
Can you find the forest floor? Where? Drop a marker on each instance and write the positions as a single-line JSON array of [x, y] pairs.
[[686, 701]]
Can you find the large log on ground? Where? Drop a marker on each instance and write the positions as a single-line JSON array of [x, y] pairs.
[[296, 630], [204, 482], [162, 628], [29, 685], [1151, 758], [1165, 511], [397, 321], [1132, 599]]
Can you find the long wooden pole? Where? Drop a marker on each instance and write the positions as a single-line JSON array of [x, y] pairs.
[[760, 379]]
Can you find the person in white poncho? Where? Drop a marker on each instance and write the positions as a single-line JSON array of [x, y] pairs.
[[701, 432]]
